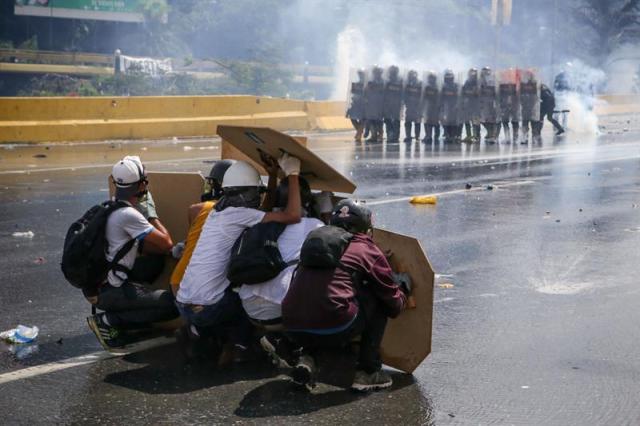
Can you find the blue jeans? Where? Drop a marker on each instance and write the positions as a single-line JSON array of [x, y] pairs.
[[225, 318]]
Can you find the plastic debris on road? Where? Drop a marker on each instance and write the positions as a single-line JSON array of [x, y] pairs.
[[20, 334], [445, 285], [27, 234], [424, 199]]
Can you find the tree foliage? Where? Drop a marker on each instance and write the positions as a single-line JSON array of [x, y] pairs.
[[609, 24]]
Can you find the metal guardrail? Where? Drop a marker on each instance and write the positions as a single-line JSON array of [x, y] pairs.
[[49, 57]]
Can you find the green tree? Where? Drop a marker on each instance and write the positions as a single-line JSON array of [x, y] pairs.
[[609, 24]]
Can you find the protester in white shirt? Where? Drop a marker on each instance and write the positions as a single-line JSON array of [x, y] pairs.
[[205, 298], [124, 298]]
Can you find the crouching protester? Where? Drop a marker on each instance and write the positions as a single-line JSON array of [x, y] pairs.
[[132, 228], [262, 301], [197, 215], [338, 293], [205, 297]]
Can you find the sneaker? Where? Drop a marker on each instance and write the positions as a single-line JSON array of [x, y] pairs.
[[304, 372], [367, 382], [279, 350], [559, 132], [109, 337]]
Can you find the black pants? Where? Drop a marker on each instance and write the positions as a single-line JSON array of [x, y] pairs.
[[370, 323], [392, 127], [552, 120], [134, 305]]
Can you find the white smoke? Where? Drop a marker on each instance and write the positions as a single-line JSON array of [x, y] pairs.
[[622, 70], [585, 83], [350, 53]]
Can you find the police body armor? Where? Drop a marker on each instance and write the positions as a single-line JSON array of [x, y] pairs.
[[373, 100], [412, 95], [449, 105], [529, 101], [392, 105], [431, 105], [470, 102], [356, 109], [508, 102], [488, 107]]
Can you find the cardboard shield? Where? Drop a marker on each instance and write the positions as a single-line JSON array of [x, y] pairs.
[[407, 338], [252, 140]]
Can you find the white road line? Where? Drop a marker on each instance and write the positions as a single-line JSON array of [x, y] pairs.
[[38, 370], [457, 191]]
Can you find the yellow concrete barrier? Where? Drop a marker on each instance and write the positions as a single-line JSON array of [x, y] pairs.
[[97, 118]]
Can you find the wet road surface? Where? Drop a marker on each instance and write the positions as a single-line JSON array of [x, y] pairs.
[[535, 317]]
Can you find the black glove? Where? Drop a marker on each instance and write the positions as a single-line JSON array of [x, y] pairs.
[[404, 282]]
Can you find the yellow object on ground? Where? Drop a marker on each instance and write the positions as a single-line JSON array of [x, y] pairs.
[[424, 199], [190, 244]]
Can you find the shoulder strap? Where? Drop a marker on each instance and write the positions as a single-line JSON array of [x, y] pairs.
[[114, 265]]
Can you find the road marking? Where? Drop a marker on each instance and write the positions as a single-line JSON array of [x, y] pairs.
[[38, 370], [458, 191]]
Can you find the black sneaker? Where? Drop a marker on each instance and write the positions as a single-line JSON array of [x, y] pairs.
[[304, 372], [109, 337], [377, 380], [559, 132], [279, 349]]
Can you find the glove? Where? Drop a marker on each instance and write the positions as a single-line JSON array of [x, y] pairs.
[[404, 282], [323, 201], [290, 165], [147, 207], [177, 250]]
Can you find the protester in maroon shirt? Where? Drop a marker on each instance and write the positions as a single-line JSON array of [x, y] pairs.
[[329, 307]]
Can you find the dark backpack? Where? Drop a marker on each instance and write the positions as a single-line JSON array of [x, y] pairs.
[[323, 247], [255, 256], [84, 263]]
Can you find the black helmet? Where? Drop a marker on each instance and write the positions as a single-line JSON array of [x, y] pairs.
[[218, 170], [351, 216], [215, 180], [282, 193]]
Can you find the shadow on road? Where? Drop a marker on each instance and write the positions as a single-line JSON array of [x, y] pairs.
[[282, 398]]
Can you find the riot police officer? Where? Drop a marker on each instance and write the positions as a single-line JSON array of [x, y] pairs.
[[431, 108], [449, 114], [530, 105], [373, 103], [489, 105], [411, 101], [509, 104], [470, 106], [392, 105], [356, 106]]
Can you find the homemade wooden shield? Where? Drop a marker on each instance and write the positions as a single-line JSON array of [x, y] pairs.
[[252, 140], [407, 338]]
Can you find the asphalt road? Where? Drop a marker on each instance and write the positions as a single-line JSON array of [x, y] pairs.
[[535, 319]]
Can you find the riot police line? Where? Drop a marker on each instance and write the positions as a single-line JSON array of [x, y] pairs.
[[510, 105]]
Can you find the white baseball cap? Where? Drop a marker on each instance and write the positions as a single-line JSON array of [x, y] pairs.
[[127, 174], [127, 171]]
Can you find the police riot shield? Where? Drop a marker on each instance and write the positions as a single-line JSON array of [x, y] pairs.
[[449, 99], [488, 96], [393, 87], [470, 98], [355, 96], [508, 96], [431, 98], [374, 94], [412, 96], [529, 95]]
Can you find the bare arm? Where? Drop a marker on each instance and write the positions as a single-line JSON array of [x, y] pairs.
[[158, 241]]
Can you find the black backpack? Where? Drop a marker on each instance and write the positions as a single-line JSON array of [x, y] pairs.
[[323, 247], [255, 256], [84, 263]]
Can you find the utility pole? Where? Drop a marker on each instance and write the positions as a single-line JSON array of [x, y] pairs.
[[500, 17], [553, 41]]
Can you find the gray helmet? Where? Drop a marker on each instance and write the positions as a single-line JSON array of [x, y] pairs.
[[377, 71], [413, 75], [473, 73], [351, 216], [361, 74], [448, 76], [394, 71], [432, 78]]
